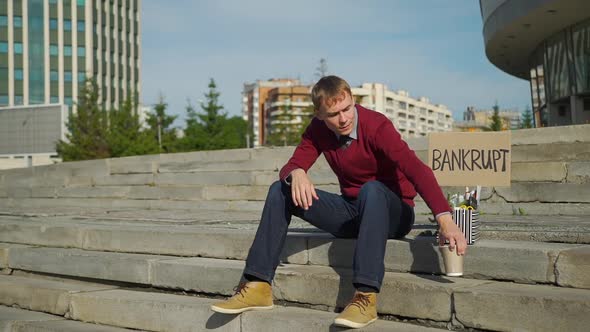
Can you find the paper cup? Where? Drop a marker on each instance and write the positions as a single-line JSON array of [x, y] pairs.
[[453, 262]]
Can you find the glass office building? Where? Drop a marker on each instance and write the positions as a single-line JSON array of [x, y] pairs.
[[546, 42], [49, 47]]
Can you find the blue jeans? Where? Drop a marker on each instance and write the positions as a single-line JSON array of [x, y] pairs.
[[376, 215]]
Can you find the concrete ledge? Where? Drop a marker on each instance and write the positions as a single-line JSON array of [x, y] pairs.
[[525, 262], [232, 244], [41, 294], [65, 326], [149, 311], [12, 318], [79, 263], [545, 192], [134, 165], [546, 135], [299, 319], [560, 152], [216, 276], [402, 294], [538, 171], [124, 180], [39, 234], [573, 268], [578, 172], [510, 307], [4, 249]]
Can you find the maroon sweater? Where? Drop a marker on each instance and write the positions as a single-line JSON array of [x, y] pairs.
[[378, 153]]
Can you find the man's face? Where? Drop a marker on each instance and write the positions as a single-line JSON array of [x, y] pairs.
[[339, 116]]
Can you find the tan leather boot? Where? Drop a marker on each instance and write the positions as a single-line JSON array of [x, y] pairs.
[[254, 295], [360, 312]]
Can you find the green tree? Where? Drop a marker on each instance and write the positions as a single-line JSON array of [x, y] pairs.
[[194, 135], [160, 127], [211, 129], [496, 124], [286, 128], [125, 135], [527, 119], [87, 128], [213, 117]]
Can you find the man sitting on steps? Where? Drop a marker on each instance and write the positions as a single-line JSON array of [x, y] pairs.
[[379, 176]]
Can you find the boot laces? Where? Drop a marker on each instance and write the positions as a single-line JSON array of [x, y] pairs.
[[241, 289], [360, 300]]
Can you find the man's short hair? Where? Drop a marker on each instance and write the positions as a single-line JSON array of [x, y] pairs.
[[327, 91]]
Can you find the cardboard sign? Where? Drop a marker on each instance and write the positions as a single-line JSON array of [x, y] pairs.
[[468, 159]]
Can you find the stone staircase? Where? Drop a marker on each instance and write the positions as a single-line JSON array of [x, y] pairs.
[[148, 243]]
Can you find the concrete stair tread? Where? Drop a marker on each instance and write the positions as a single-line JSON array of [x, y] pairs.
[[19, 320], [169, 312], [403, 294], [520, 261]]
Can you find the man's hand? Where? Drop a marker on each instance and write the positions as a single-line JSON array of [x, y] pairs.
[[450, 231], [302, 190]]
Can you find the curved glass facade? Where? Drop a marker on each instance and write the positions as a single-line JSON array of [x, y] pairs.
[[560, 78]]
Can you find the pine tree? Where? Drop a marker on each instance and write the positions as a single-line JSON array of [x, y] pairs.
[[213, 118], [211, 129], [527, 118], [125, 135], [496, 124], [87, 128], [159, 123]]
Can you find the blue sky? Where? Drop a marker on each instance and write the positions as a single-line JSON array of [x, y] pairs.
[[431, 48]]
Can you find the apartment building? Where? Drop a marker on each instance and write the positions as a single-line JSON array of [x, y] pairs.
[[254, 96], [49, 47], [47, 50], [289, 107], [412, 117]]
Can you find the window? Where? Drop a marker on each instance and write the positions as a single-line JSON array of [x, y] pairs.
[[81, 26], [68, 101], [81, 51], [53, 24], [18, 100], [18, 74], [81, 3], [67, 76], [3, 21], [53, 2], [81, 76], [68, 50], [53, 75], [54, 99], [67, 25], [18, 21], [53, 50], [18, 48], [3, 100], [3, 47]]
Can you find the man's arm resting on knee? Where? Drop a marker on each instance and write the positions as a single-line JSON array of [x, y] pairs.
[[302, 189]]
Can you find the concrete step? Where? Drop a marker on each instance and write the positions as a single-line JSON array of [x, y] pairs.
[[18, 320], [480, 304], [157, 311], [517, 261], [26, 202]]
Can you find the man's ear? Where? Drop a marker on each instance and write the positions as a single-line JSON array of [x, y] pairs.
[[317, 114]]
